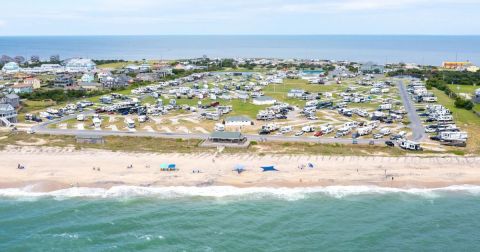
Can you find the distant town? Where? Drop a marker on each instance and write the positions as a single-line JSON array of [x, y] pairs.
[[239, 103]]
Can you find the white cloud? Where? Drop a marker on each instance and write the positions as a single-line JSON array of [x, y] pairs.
[[2, 23]]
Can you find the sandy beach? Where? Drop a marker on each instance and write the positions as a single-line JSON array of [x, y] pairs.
[[48, 169]]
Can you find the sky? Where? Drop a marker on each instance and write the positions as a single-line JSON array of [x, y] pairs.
[[226, 17]]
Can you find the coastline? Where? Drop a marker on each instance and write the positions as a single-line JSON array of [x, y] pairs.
[[52, 169]]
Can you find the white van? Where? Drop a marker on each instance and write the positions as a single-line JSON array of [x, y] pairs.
[[81, 117]]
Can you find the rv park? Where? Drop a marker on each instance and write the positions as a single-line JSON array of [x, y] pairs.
[[349, 104]]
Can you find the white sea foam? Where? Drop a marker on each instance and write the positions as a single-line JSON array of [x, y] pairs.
[[234, 192]]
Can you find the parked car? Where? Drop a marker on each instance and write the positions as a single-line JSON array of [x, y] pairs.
[[390, 143]]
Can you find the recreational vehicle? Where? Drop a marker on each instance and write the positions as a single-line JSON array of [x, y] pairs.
[[409, 145], [219, 127], [453, 136], [343, 131], [130, 123], [97, 122], [326, 129]]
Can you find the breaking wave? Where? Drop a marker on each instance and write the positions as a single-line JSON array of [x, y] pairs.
[[233, 192]]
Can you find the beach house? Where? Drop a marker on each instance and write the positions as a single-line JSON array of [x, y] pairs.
[[8, 114], [22, 88], [79, 65], [87, 77], [11, 67], [63, 81], [35, 82], [11, 99]]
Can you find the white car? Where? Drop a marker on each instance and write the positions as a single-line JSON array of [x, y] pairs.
[[30, 131]]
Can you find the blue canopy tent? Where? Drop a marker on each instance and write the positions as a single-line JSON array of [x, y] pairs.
[[269, 168], [239, 168], [168, 167]]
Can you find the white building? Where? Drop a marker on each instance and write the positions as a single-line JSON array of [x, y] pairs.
[[7, 115], [264, 100], [238, 121], [11, 67], [78, 65]]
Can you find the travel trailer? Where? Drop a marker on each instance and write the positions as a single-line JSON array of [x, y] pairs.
[[409, 145], [219, 127], [326, 129], [130, 123], [364, 131], [453, 136], [343, 131], [97, 122]]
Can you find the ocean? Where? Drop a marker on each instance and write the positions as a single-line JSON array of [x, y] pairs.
[[355, 218], [431, 50]]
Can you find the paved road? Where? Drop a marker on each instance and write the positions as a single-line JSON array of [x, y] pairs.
[[415, 121], [43, 129]]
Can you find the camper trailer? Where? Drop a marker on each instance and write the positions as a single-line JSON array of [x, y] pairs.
[[453, 136], [97, 122], [410, 145], [326, 129], [142, 118], [130, 123], [308, 129], [343, 131], [286, 129], [219, 127], [364, 131]]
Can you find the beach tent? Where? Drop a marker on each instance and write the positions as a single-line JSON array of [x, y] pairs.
[[269, 168], [310, 165], [239, 168], [168, 167], [163, 167]]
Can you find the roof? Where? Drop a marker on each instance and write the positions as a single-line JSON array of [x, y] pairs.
[[237, 119], [264, 98], [6, 107], [23, 85], [11, 96], [226, 135]]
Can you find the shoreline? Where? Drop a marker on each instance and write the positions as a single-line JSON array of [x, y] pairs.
[[51, 169]]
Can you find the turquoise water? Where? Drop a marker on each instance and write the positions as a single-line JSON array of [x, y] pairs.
[[334, 219], [380, 49]]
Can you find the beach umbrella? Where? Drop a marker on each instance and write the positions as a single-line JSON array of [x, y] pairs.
[[239, 168]]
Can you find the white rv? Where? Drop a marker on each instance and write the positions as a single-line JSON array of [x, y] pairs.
[[97, 122], [130, 123], [326, 129], [364, 131], [410, 145], [219, 127], [453, 136]]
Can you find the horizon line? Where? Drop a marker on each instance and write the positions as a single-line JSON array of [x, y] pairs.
[[153, 35]]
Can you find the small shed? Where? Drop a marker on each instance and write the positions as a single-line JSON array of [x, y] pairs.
[[90, 139], [227, 137]]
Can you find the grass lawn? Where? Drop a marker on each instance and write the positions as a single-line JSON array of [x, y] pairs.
[[115, 65], [465, 119], [467, 89]]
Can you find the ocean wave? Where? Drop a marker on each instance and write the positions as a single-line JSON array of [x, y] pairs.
[[233, 192]]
